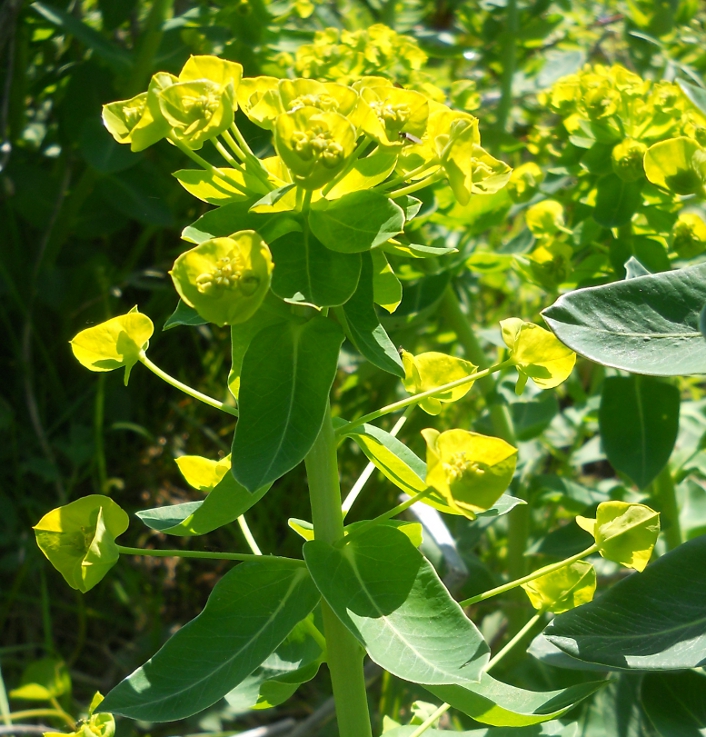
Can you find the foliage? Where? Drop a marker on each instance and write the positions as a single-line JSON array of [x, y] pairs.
[[338, 204]]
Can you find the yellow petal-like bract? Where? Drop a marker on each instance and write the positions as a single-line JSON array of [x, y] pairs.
[[468, 469], [624, 533], [430, 370], [563, 589], [115, 343], [79, 539], [225, 279], [537, 353]]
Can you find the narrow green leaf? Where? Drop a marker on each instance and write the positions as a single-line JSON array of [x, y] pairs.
[[272, 312], [118, 59], [697, 95], [222, 221], [392, 457], [639, 421], [287, 375], [308, 272], [356, 222], [223, 505], [184, 315], [251, 610], [654, 620], [364, 328], [675, 703], [550, 729], [502, 705], [389, 596], [647, 325]]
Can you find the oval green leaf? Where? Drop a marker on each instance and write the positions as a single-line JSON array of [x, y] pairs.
[[647, 325], [389, 596]]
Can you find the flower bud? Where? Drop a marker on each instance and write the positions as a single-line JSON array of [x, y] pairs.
[[689, 238]]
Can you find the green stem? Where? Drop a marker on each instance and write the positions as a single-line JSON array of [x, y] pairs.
[[186, 388], [663, 490], [529, 577], [344, 654], [509, 62], [233, 146], [421, 184], [203, 554], [223, 151], [514, 641], [243, 151], [247, 534], [18, 716], [243, 143], [406, 177], [417, 398], [148, 45], [383, 517]]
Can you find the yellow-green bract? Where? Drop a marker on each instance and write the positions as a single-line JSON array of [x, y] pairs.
[[79, 539], [114, 343], [430, 370], [537, 353], [469, 470], [563, 589], [225, 279], [625, 533]]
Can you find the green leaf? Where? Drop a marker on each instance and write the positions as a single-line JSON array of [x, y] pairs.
[[387, 290], [223, 505], [655, 620], [502, 705], [287, 374], [364, 328], [294, 662], [272, 312], [228, 219], [252, 609], [231, 186], [367, 172], [356, 222], [392, 457], [118, 59], [639, 421], [647, 325], [43, 680], [389, 596], [616, 201], [413, 250], [308, 272], [184, 315], [550, 729], [697, 95], [675, 703]]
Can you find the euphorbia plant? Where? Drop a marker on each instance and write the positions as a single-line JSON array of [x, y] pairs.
[[295, 258]]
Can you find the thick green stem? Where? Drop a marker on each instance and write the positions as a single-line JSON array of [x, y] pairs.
[[421, 184], [509, 61], [529, 577], [663, 490], [344, 654]]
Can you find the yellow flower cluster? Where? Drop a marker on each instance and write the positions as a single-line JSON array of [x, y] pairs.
[[321, 129]]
